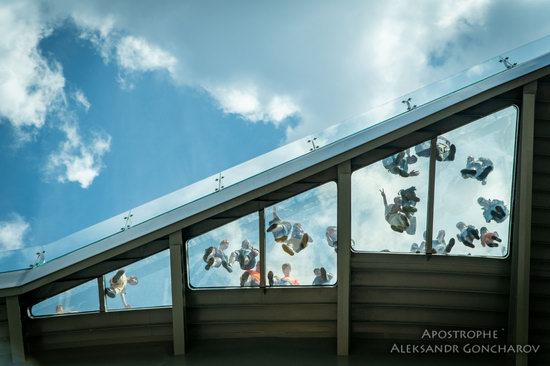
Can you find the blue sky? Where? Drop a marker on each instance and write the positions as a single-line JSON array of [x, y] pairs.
[[106, 106]]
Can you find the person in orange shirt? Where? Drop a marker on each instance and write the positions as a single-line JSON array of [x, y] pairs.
[[251, 277]]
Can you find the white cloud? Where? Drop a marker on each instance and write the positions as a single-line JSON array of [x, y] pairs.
[[13, 232], [30, 85], [136, 54], [76, 160], [250, 105], [80, 97]]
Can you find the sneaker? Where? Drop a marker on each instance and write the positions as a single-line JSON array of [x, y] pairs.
[[118, 274], [287, 249], [207, 253], [270, 278], [324, 274], [304, 241], [450, 246], [281, 239], [244, 278], [452, 154], [271, 228], [110, 292], [485, 173], [209, 264]]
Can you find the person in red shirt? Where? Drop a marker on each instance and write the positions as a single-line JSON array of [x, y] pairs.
[[285, 280]]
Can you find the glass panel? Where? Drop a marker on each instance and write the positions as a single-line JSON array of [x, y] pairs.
[[228, 256], [143, 284], [301, 239], [22, 259], [389, 202], [83, 298], [473, 193]]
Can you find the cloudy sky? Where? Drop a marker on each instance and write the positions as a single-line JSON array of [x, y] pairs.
[[106, 106]]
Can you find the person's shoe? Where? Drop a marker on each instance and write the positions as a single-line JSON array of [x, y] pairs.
[[485, 173], [118, 274], [468, 172], [207, 253], [270, 278], [492, 245], [271, 228], [110, 292], [281, 239], [209, 264], [304, 241], [287, 249], [244, 278], [468, 244], [450, 246], [452, 153], [227, 266], [324, 274]]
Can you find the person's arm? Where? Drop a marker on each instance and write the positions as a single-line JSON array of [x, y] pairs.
[[384, 198]]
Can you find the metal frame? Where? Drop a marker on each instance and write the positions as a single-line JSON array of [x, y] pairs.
[[521, 257], [343, 257], [261, 231], [22, 281], [15, 330], [178, 294], [431, 194]]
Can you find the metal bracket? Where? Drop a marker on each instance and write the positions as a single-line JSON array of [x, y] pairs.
[[128, 221], [313, 145], [506, 62], [219, 180], [410, 107]]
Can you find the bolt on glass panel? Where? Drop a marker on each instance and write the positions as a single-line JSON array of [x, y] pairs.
[[301, 240], [228, 256], [389, 202], [143, 284], [473, 193], [80, 299]]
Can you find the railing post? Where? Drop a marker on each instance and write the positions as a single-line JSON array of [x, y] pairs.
[[178, 296], [344, 257], [261, 230], [101, 293]]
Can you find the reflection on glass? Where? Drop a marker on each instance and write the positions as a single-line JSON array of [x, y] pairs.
[[143, 284], [301, 239], [83, 298], [473, 193], [20, 259], [389, 201], [228, 256]]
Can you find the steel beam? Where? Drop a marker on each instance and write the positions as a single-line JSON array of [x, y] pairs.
[[15, 330], [521, 248], [261, 228], [178, 295], [431, 196], [344, 257]]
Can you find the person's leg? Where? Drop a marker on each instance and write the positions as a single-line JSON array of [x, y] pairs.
[[270, 278], [468, 243], [452, 153], [226, 266], [244, 278], [450, 246], [324, 275], [485, 173], [496, 238], [209, 263]]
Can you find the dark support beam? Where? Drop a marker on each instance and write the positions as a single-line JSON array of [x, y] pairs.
[[261, 229], [344, 257], [15, 330], [521, 249], [101, 294], [178, 308], [431, 195]]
